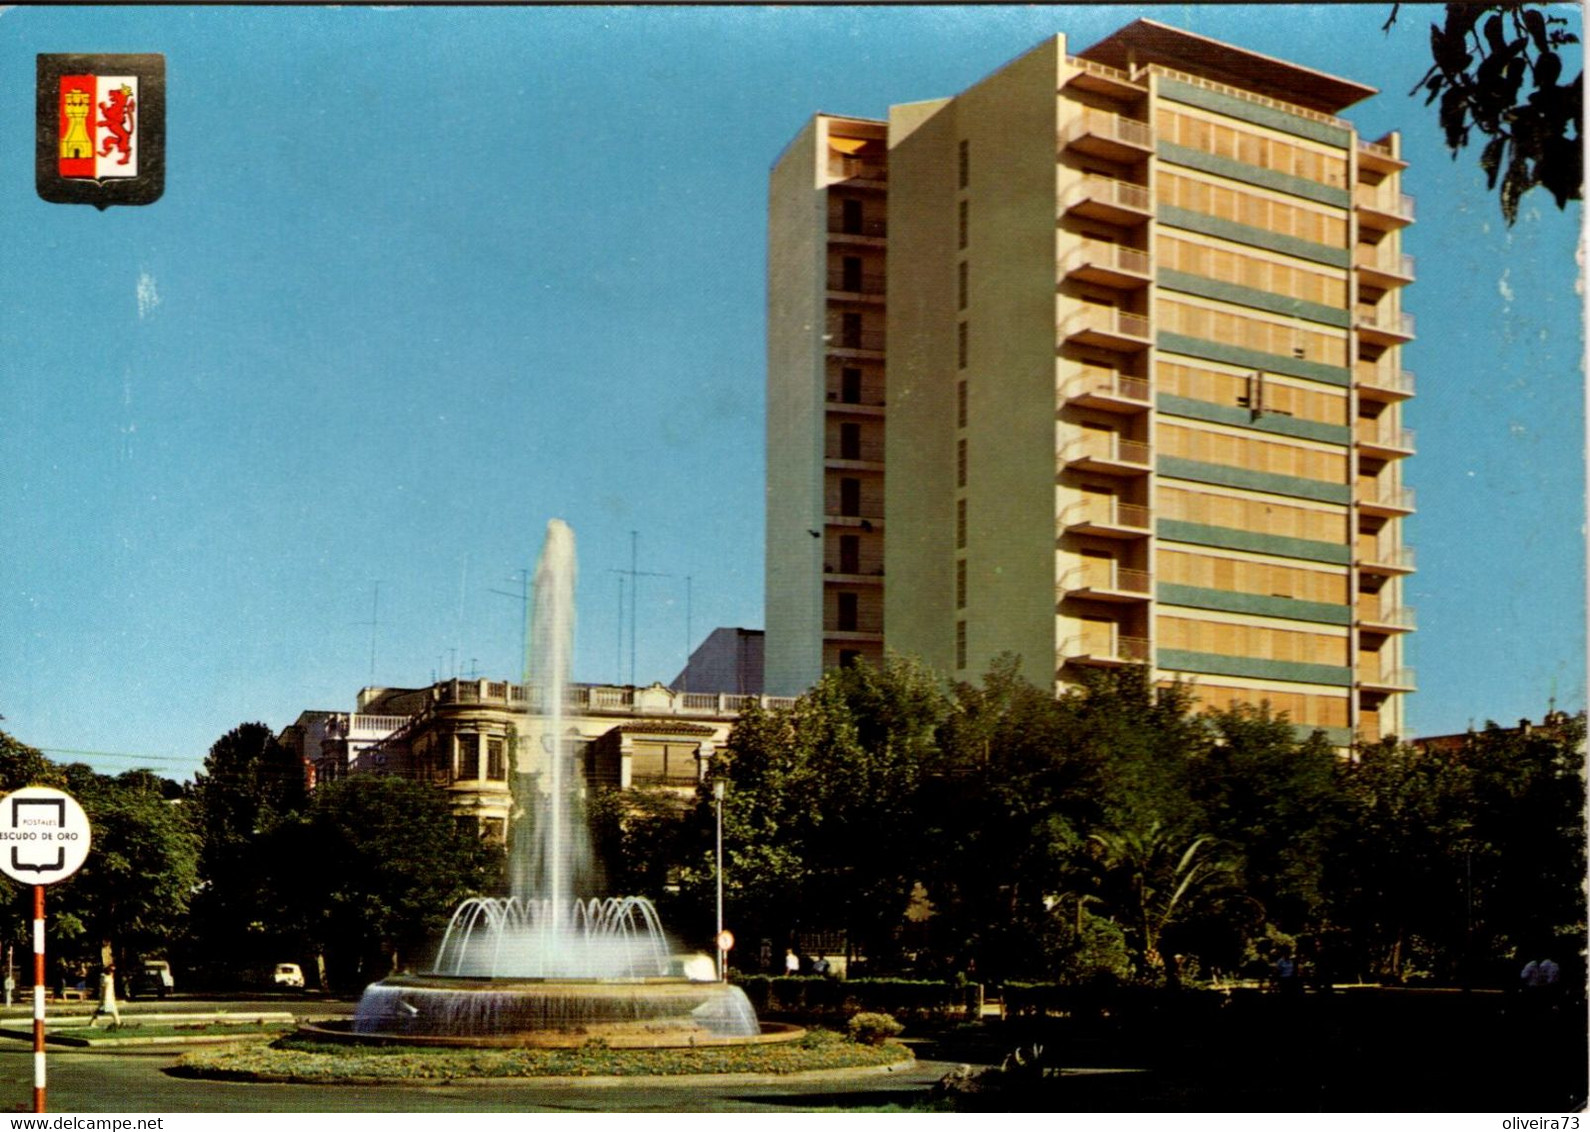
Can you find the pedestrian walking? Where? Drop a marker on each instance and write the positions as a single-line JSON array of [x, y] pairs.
[[107, 998]]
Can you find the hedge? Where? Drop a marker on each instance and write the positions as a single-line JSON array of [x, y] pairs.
[[812, 996]]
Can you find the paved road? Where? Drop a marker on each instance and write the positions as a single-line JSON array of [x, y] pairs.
[[81, 1082], [134, 1080]]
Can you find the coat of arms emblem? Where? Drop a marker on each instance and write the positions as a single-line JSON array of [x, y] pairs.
[[101, 129]]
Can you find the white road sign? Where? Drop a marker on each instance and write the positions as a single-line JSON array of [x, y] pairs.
[[44, 835]]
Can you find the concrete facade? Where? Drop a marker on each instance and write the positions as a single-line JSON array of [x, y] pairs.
[[466, 736], [729, 660], [825, 390], [1144, 381]]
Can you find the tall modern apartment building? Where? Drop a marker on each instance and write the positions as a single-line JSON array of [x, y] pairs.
[[825, 400], [1142, 310]]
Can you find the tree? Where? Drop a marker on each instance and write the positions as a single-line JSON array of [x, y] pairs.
[[249, 785], [1390, 873], [1272, 800], [22, 765], [819, 825], [374, 870], [132, 894], [635, 835], [1483, 56], [1152, 881]]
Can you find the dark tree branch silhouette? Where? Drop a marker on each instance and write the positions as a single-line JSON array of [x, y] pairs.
[[1485, 56]]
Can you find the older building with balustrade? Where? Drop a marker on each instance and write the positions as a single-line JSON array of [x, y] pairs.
[[1121, 380], [464, 736]]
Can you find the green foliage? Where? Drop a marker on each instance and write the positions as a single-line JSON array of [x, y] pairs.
[[635, 835], [377, 865], [819, 830], [813, 997], [1272, 802], [1477, 854], [250, 786], [1486, 57], [132, 894], [22, 765], [293, 1059], [1028, 776], [1153, 880], [872, 1029]]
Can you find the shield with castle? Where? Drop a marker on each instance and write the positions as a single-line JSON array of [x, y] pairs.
[[101, 128]]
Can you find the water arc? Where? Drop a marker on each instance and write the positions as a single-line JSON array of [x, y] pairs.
[[551, 961]]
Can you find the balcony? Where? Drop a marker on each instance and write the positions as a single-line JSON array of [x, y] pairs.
[[865, 342], [868, 522], [868, 408], [867, 626], [1398, 619], [1389, 561], [838, 576], [873, 229], [1379, 158], [1107, 327], [1106, 135], [1117, 584], [1105, 198], [1382, 441], [1098, 388], [1108, 518], [1099, 261], [1249, 96], [1109, 453], [1116, 652], [1104, 80], [1381, 382], [1381, 209], [874, 170], [1384, 328], [1371, 678], [865, 284], [1387, 501], [867, 457], [1382, 269]]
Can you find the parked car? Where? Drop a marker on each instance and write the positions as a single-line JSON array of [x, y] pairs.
[[288, 976], [153, 976]]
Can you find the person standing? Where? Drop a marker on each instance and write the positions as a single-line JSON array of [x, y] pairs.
[[792, 962], [107, 998]]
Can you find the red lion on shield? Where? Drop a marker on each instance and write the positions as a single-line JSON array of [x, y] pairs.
[[118, 119]]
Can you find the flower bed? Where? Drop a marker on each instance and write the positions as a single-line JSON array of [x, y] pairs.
[[297, 1060]]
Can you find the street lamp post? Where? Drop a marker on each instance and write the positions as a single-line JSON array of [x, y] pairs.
[[717, 859]]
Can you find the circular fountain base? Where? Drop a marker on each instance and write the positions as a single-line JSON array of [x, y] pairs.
[[498, 1012]]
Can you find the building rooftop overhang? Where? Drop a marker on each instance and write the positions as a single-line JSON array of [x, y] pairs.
[[664, 727], [1148, 41]]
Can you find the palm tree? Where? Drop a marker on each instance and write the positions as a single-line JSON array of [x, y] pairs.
[[1149, 884]]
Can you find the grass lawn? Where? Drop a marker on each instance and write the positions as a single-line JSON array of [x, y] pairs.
[[302, 1060]]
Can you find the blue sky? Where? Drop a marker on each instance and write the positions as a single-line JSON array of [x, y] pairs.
[[423, 279]]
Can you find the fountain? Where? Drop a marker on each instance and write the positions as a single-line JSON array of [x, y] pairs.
[[552, 964]]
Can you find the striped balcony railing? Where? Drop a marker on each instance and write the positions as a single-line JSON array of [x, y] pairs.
[[1106, 190], [1106, 320], [1103, 124], [1127, 650], [1102, 253], [1111, 449], [1392, 322], [1106, 383]]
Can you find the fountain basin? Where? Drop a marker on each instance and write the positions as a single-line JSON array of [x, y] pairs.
[[497, 1012]]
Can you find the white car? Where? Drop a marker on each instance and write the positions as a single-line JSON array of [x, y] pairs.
[[289, 975]]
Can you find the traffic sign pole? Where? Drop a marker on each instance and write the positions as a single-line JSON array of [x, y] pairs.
[[44, 838], [38, 998]]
